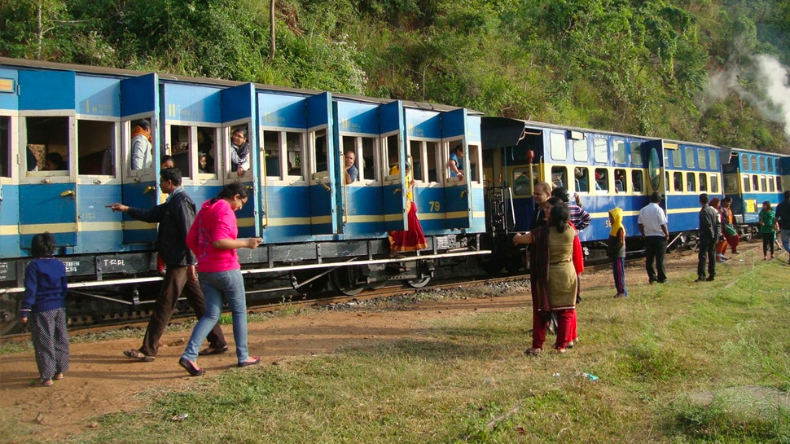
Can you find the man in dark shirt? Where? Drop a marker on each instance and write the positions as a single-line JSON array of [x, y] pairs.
[[783, 218], [175, 216], [708, 233]]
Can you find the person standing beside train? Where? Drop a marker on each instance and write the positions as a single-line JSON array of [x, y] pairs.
[[142, 152], [214, 240], [541, 192], [652, 223], [783, 218], [708, 234], [239, 151], [731, 236], [767, 223], [580, 219], [174, 216]]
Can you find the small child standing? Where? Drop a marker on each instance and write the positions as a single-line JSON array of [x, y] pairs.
[[616, 250], [767, 220], [44, 303]]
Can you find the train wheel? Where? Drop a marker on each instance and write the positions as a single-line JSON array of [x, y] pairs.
[[314, 287], [419, 283], [9, 327], [345, 280]]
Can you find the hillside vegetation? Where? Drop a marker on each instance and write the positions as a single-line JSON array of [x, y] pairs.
[[697, 70]]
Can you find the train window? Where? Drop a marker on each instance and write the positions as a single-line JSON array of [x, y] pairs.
[[474, 164], [206, 151], [636, 181], [367, 160], [5, 146], [713, 160], [763, 184], [779, 185], [636, 154], [690, 157], [777, 167], [558, 146], [433, 158], [703, 183], [771, 186], [667, 181], [654, 170], [180, 148], [559, 177], [755, 182], [620, 182], [691, 182], [702, 160], [293, 145], [601, 179], [271, 153], [753, 161], [667, 158], [619, 152], [677, 159], [415, 151], [770, 165], [677, 180], [392, 154], [582, 179], [762, 164], [600, 150], [48, 145], [580, 153], [522, 182], [747, 184], [95, 147], [320, 149], [714, 183], [730, 184]]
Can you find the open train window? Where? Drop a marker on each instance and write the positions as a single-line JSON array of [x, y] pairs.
[[580, 153], [5, 146], [391, 152], [755, 182], [319, 155], [475, 173], [282, 151], [677, 181], [620, 181], [95, 148], [363, 149], [600, 150], [779, 185], [771, 186], [703, 183], [637, 182], [522, 182], [691, 182], [559, 176], [433, 159], [558, 147], [619, 152], [601, 179], [690, 157], [702, 160], [763, 183], [713, 160], [272, 146], [181, 146], [762, 164], [415, 151], [47, 145], [714, 183], [294, 146], [636, 154], [668, 182], [747, 184], [582, 179]]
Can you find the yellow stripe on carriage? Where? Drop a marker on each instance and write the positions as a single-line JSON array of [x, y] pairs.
[[138, 225], [52, 228], [9, 230]]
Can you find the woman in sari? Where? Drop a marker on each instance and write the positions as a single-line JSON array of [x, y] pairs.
[[413, 238], [553, 277]]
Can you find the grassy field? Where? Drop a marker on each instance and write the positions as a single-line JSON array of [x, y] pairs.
[[466, 379]]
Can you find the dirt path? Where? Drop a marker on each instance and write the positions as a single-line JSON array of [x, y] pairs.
[[101, 380]]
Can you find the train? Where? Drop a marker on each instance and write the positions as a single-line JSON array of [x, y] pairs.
[[316, 228]]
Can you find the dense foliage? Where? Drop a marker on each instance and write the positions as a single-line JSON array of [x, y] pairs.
[[686, 69]]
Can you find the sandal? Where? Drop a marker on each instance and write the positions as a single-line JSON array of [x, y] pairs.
[[533, 351], [137, 354], [58, 376], [190, 367], [213, 351], [44, 382]]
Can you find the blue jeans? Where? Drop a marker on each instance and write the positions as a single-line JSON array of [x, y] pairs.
[[217, 287]]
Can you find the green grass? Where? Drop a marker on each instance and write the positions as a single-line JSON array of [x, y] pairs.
[[465, 378]]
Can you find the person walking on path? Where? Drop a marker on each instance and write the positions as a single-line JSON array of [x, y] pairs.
[[728, 230], [708, 234], [44, 303], [616, 250], [652, 223], [783, 219], [214, 240], [767, 223], [174, 216]]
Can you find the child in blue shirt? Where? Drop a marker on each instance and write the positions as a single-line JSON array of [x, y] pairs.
[[44, 304]]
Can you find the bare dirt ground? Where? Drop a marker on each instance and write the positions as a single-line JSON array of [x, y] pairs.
[[102, 380]]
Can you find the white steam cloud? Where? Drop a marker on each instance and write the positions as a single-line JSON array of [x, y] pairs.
[[774, 81]]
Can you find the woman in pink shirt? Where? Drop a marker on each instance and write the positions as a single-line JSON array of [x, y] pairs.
[[213, 238]]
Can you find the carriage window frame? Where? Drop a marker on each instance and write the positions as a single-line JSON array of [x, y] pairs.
[[702, 159], [747, 183], [691, 182], [677, 159], [636, 154], [601, 149], [677, 179], [753, 163], [755, 182], [763, 183], [523, 187], [559, 176], [637, 181], [770, 165], [358, 145], [713, 160], [763, 168], [620, 177], [581, 152], [771, 185], [559, 148], [37, 172], [703, 183], [111, 157], [602, 184], [690, 157], [779, 185], [581, 176], [475, 173], [620, 155], [714, 183]]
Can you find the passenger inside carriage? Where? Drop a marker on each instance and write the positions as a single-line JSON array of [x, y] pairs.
[[239, 151], [54, 162]]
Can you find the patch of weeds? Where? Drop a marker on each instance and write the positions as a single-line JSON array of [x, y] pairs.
[[720, 421], [652, 360]]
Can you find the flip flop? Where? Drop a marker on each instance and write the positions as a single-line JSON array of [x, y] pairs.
[[213, 351], [137, 354]]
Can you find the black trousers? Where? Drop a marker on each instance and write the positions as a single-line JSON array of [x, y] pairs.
[[176, 281], [707, 252], [656, 249]]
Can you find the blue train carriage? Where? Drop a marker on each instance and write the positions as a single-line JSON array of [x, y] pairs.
[[751, 178]]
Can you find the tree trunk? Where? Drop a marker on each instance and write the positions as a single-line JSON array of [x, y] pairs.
[[271, 31], [41, 32]]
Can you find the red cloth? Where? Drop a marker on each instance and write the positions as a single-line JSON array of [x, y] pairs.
[[566, 328], [411, 240], [578, 254]]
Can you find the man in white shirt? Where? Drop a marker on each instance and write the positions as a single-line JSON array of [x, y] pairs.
[[653, 225]]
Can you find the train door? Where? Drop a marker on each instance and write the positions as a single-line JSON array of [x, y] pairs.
[[239, 162], [783, 168], [424, 142], [140, 153], [9, 173], [476, 176], [47, 130], [656, 168], [457, 196], [323, 157], [97, 139], [394, 154], [357, 136]]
